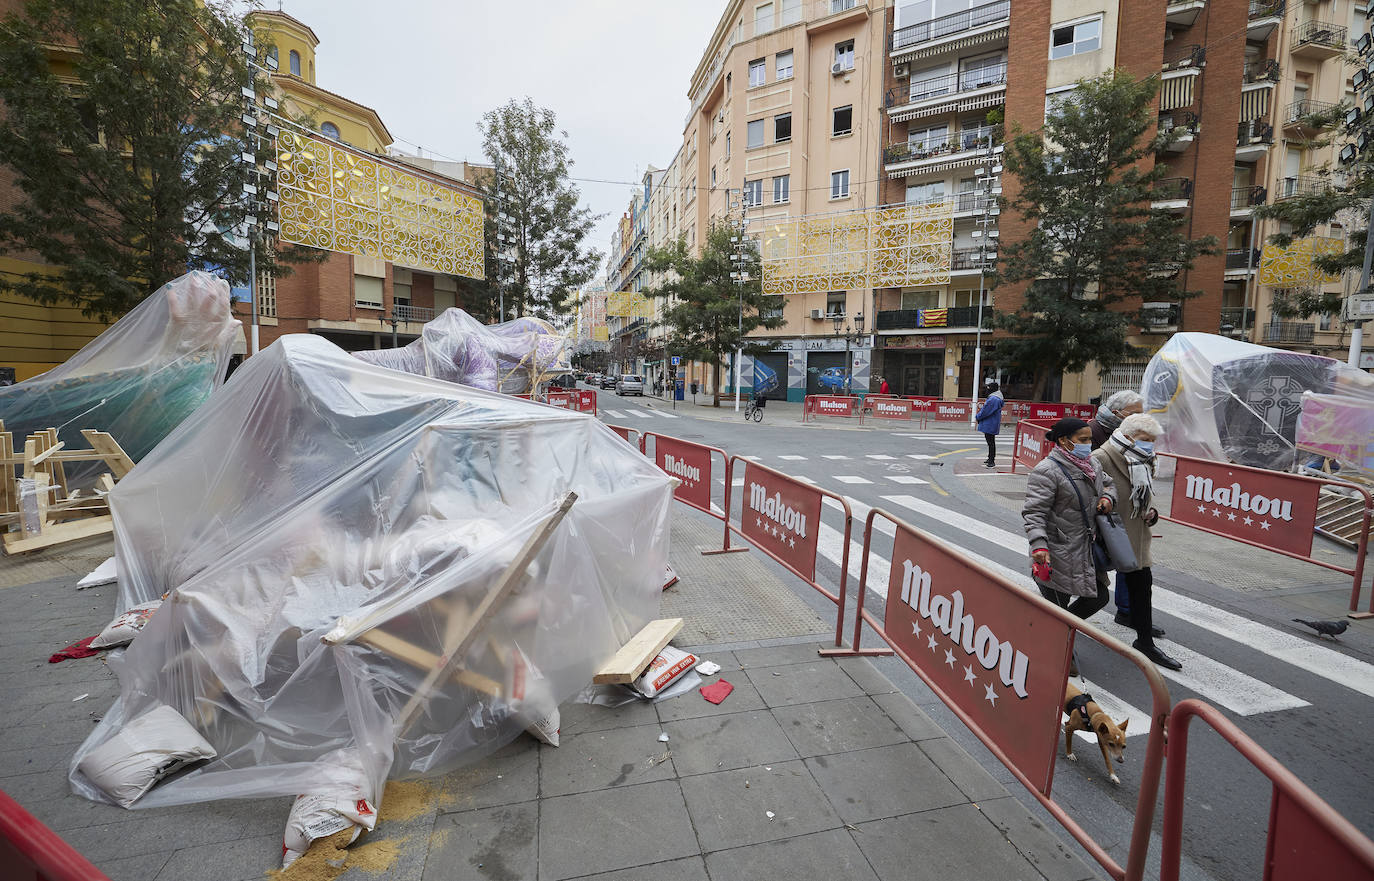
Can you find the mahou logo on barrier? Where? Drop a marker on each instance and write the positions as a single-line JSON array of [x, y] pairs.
[[586, 401], [1031, 445], [783, 516], [559, 399], [829, 406], [1268, 507], [950, 411], [993, 650], [689, 463], [891, 409]]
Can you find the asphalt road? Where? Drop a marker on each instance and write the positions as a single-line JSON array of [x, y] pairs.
[[1309, 705]]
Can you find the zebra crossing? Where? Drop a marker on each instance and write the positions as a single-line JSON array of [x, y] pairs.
[[641, 414]]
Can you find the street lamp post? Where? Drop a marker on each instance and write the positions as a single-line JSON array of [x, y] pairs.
[[989, 187], [853, 334]]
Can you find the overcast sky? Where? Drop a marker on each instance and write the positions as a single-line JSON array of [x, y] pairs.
[[615, 72]]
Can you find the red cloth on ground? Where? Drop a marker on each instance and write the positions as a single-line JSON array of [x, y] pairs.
[[79, 649], [716, 692]]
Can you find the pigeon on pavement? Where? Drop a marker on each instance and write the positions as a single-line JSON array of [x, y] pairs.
[[1325, 628]]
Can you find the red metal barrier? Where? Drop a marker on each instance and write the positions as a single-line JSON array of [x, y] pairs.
[[31, 851], [560, 399], [691, 464], [625, 433], [886, 408], [998, 657], [1264, 509], [951, 411], [829, 405], [781, 516], [1030, 445], [1306, 837], [585, 400]]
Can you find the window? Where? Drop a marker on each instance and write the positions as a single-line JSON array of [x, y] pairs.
[[758, 74], [970, 298], [727, 145], [924, 142], [924, 194], [727, 86], [294, 60], [754, 133], [931, 82], [1057, 97], [400, 294], [774, 308], [920, 299], [791, 12], [839, 184], [753, 193], [844, 55], [763, 19], [841, 5], [367, 291], [976, 73], [834, 303], [1076, 38], [782, 128], [713, 175], [329, 130], [782, 188], [785, 65], [844, 120]]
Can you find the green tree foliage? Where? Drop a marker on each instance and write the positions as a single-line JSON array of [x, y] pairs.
[[126, 150], [1095, 245], [546, 228], [703, 309]]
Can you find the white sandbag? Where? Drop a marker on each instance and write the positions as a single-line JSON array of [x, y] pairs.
[[340, 802], [144, 751], [665, 669], [533, 701], [123, 629]]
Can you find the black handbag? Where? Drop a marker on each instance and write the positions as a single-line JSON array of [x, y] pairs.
[[1110, 544]]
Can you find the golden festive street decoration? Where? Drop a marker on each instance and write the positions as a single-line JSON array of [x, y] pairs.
[[629, 304], [1292, 267], [905, 246], [340, 199]]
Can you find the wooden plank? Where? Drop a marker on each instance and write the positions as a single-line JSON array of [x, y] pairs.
[[412, 654], [635, 655], [9, 499], [30, 450], [110, 450], [49, 450], [55, 468], [17, 543]]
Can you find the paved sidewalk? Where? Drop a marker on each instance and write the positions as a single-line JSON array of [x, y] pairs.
[[811, 768]]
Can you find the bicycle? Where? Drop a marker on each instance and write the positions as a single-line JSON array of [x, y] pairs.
[[753, 410]]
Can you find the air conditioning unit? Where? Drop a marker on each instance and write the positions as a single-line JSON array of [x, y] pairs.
[[818, 314], [838, 69], [901, 70]]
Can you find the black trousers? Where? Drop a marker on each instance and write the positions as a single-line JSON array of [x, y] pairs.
[[992, 446], [1084, 607], [1139, 586]]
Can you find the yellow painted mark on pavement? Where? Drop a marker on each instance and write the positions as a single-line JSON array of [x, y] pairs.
[[935, 486]]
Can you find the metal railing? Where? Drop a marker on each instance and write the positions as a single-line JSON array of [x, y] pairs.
[[1265, 8], [1254, 132], [1309, 113], [968, 259], [1307, 185], [1154, 316], [954, 317], [1186, 56], [1247, 197], [1186, 120], [1319, 33], [1234, 318], [973, 201], [412, 313], [941, 144], [1243, 258], [1260, 72], [1289, 332], [1170, 189], [948, 85], [948, 25]]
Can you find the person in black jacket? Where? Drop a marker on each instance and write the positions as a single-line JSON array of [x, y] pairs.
[[1116, 408]]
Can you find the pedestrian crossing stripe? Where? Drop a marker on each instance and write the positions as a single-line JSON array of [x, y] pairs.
[[614, 414], [906, 479], [793, 458], [851, 478], [837, 458]]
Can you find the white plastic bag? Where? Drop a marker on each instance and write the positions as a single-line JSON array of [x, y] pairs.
[[143, 752], [125, 626], [670, 665]]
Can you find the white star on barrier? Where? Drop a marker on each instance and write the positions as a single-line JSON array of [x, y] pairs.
[[969, 677], [758, 521], [915, 628], [931, 641], [791, 542], [1216, 512], [1202, 509], [989, 695], [1230, 516], [1249, 520], [949, 658], [1264, 524]]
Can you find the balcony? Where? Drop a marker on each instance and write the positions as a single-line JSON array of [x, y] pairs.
[[1236, 320], [938, 152], [1293, 187], [1160, 317], [962, 30], [974, 203], [1253, 140], [412, 313], [1289, 332], [968, 260], [1309, 116], [1182, 13], [1181, 127], [1244, 200], [1265, 18], [1172, 194], [1260, 73], [945, 319], [955, 92], [1319, 40], [1186, 58], [1242, 261]]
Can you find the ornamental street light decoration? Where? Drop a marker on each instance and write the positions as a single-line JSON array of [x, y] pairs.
[[854, 334]]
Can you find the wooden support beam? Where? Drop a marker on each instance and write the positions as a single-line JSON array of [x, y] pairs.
[[109, 449], [18, 543], [636, 655]]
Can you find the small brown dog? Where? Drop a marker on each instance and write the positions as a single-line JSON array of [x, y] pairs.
[[1085, 715]]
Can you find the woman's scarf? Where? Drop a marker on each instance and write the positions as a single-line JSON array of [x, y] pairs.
[[1084, 465], [1107, 419], [1141, 469]]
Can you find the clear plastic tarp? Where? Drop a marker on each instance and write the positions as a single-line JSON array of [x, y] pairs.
[[1340, 428], [138, 380], [1234, 401], [514, 357], [341, 548]]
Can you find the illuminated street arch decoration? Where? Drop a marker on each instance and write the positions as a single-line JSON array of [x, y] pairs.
[[628, 304], [339, 199], [1292, 267], [907, 245]]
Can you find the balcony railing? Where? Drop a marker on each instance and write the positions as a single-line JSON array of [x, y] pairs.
[[1243, 258], [1247, 197], [1289, 187], [1309, 113], [1319, 33], [1236, 318], [412, 313], [956, 317], [1265, 8], [973, 202], [949, 25], [941, 144], [1155, 317], [1171, 189], [1254, 133], [967, 259], [1289, 332], [1260, 72], [948, 85], [1186, 56]]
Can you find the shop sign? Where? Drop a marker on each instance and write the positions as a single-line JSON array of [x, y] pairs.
[[914, 342]]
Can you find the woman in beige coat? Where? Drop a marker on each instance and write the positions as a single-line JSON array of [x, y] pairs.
[[1128, 457]]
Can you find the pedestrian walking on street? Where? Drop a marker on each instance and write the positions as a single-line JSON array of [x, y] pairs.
[[990, 420], [1113, 410], [883, 389], [1128, 458], [1062, 493]]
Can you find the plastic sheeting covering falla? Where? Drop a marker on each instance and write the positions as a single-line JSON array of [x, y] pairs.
[[138, 380], [1233, 401], [513, 357], [315, 493]]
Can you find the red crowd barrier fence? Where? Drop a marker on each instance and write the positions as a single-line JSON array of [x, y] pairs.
[[1264, 509], [692, 464], [33, 852], [626, 434], [950, 411], [887, 408], [998, 657], [1306, 837], [1030, 445], [829, 405]]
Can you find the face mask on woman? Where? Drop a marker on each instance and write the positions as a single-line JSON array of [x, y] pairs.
[[1081, 451], [1145, 448]]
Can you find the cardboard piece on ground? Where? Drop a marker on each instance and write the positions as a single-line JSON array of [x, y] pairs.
[[636, 654], [105, 573]]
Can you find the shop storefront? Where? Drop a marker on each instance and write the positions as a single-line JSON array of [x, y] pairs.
[[914, 365], [812, 365]]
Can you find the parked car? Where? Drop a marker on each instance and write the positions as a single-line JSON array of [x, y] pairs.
[[630, 384], [592, 379], [607, 382]]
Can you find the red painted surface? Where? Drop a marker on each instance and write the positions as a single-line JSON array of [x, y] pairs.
[[559, 399], [1030, 446], [782, 516], [33, 852], [992, 650], [889, 408], [689, 463], [1269, 508], [586, 401], [832, 405], [951, 411], [625, 433]]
